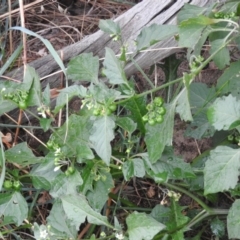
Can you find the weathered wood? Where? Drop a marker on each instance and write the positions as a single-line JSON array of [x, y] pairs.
[[131, 22]]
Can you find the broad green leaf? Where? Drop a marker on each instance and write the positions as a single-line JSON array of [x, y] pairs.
[[43, 175], [127, 124], [200, 127], [222, 58], [160, 135], [101, 135], [73, 137], [189, 11], [13, 206], [137, 106], [109, 26], [175, 167], [221, 169], [190, 30], [61, 227], [233, 220], [77, 210], [142, 226], [88, 177], [176, 220], [22, 155], [65, 185], [45, 123], [161, 213], [183, 106], [229, 82], [113, 68], [7, 106], [200, 95], [218, 227], [67, 94], [99, 195], [153, 34], [133, 167], [32, 79], [84, 67], [224, 112], [46, 96]]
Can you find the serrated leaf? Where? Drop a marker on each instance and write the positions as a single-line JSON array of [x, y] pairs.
[[233, 220], [142, 226], [229, 82], [222, 58], [98, 196], [65, 185], [190, 30], [133, 167], [175, 167], [160, 135], [84, 67], [200, 127], [127, 124], [60, 225], [218, 227], [67, 94], [109, 26], [101, 135], [13, 206], [113, 68], [176, 220], [137, 106], [77, 210], [77, 141], [221, 170], [21, 155], [223, 112], [153, 34], [43, 175]]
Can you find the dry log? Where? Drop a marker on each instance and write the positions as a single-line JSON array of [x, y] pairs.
[[131, 22]]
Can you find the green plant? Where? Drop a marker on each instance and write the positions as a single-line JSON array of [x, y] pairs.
[[118, 135]]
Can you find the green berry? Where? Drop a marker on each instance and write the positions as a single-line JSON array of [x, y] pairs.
[[151, 122], [159, 119], [22, 105], [16, 185], [149, 107], [158, 101], [161, 110], [71, 169], [7, 184], [96, 112], [113, 107], [145, 118]]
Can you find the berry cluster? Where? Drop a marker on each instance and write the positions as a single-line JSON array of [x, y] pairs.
[[101, 110], [156, 112], [222, 15], [9, 185]]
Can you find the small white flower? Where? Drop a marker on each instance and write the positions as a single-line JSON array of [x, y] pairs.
[[43, 114], [119, 236], [3, 89], [57, 168], [43, 234], [57, 152]]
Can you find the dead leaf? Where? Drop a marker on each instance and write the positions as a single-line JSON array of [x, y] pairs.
[[151, 192]]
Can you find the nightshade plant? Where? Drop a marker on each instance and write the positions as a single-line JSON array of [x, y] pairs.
[[120, 134]]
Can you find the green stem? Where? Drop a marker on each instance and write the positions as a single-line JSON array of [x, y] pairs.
[[199, 201]]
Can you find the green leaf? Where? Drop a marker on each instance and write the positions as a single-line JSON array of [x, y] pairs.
[[101, 136], [176, 220], [46, 96], [67, 94], [221, 170], [175, 167], [113, 68], [109, 26], [160, 135], [99, 195], [200, 127], [21, 155], [233, 220], [127, 124], [153, 34], [61, 227], [142, 226], [161, 213], [43, 175], [45, 123], [222, 58], [84, 67], [223, 112], [65, 185], [218, 227], [77, 140], [88, 177], [6, 106], [229, 82], [137, 106], [133, 167], [13, 206], [77, 210], [190, 30]]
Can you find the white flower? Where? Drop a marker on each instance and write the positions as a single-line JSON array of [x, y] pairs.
[[119, 236], [43, 234]]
